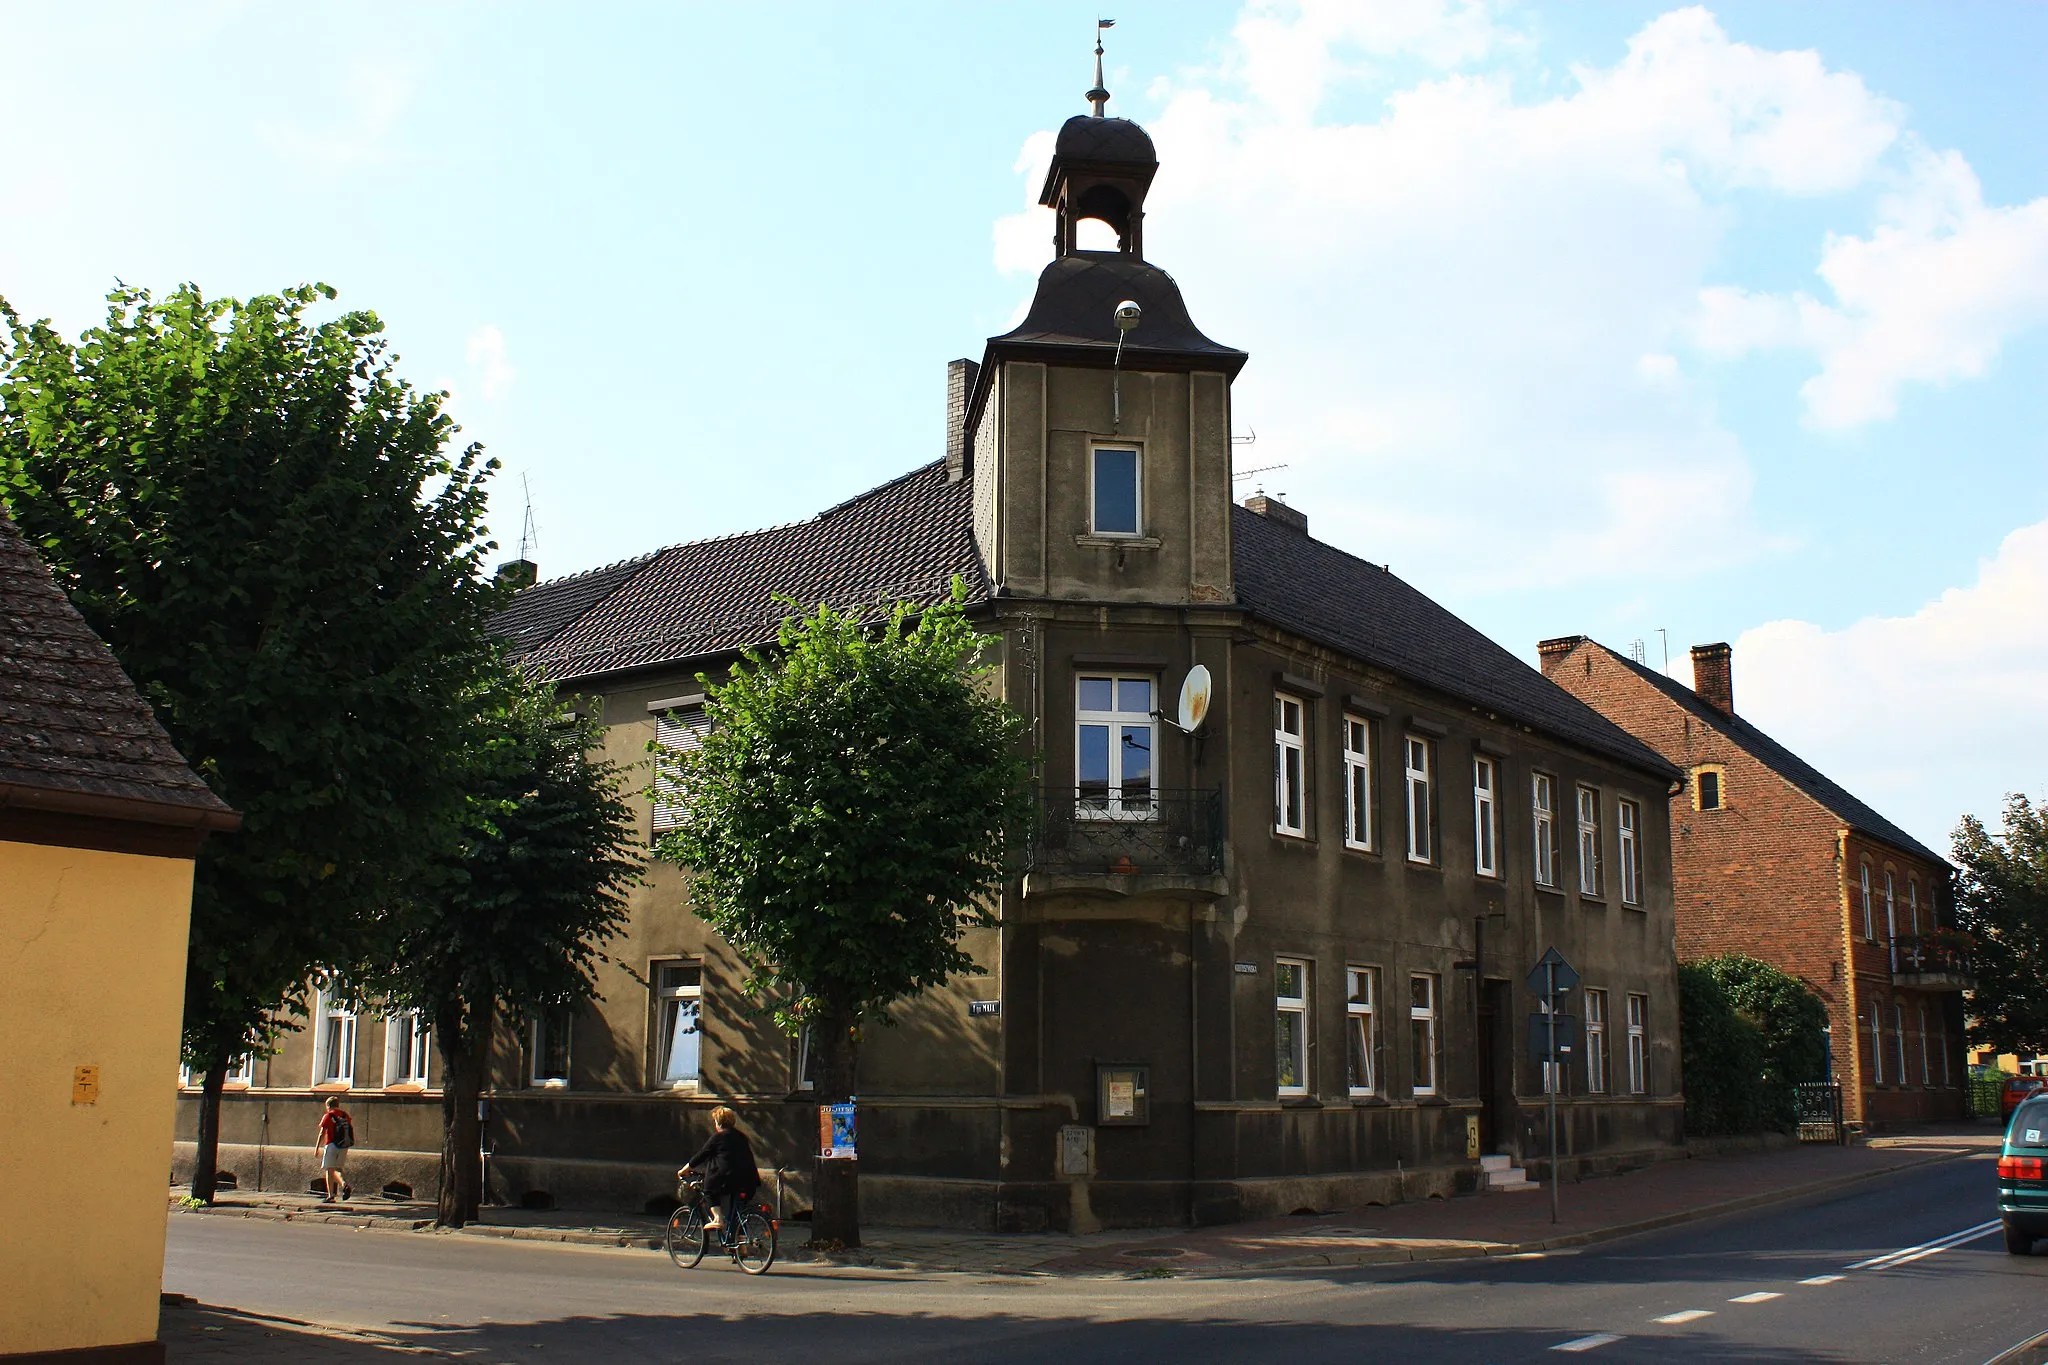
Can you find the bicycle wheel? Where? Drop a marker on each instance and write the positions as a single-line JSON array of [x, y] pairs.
[[754, 1247], [685, 1239]]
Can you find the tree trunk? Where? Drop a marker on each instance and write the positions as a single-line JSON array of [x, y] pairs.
[[207, 1157], [835, 1196], [462, 1063]]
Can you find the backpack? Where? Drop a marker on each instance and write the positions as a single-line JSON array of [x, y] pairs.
[[344, 1134]]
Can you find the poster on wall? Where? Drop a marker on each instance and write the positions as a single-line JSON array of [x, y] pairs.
[[835, 1131]]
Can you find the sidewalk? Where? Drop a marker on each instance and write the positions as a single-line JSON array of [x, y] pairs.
[[1477, 1225]]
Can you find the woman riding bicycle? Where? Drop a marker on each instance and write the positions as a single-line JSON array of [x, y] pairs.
[[726, 1164]]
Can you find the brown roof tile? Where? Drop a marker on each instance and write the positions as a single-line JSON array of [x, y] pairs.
[[74, 733]]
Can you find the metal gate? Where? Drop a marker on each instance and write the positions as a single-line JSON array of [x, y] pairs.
[[1820, 1113]]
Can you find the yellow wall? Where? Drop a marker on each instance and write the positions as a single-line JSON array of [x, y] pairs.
[[92, 973]]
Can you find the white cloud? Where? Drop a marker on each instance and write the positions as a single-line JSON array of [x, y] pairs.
[[1930, 296], [1907, 710], [1462, 308], [486, 355]]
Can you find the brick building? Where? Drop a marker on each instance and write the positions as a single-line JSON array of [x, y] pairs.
[[1771, 858]]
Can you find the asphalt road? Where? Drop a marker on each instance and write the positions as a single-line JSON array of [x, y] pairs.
[[1901, 1269]]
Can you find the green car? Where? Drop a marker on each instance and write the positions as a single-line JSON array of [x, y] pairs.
[[2022, 1182]]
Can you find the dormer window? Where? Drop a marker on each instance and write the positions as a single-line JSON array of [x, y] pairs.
[[1114, 491]]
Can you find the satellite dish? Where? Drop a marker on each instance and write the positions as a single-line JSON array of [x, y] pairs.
[[1194, 699]]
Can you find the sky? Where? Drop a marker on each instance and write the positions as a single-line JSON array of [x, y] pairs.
[[1648, 322]]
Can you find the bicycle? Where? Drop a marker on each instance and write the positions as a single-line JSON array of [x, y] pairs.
[[749, 1240]]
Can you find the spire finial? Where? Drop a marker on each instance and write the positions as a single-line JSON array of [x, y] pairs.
[[1098, 97]]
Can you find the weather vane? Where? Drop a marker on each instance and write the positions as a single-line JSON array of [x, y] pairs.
[[1099, 96]]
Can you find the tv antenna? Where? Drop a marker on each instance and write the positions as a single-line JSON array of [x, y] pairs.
[[528, 537], [1665, 636], [1252, 439], [1635, 652], [1237, 474]]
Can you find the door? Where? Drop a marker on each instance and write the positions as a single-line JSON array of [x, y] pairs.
[[1496, 1067]]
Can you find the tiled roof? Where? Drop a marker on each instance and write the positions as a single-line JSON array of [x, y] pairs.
[[1786, 764], [75, 735], [1320, 592], [904, 541]]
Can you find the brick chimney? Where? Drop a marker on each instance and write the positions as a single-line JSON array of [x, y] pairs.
[[1272, 509], [1552, 652], [1710, 677], [519, 573], [960, 376]]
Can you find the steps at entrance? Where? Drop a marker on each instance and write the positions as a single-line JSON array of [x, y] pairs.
[[1499, 1175]]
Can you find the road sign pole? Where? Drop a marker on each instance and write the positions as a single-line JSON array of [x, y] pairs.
[[1550, 1088]]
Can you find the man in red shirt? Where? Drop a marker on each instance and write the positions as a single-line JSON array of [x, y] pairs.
[[337, 1135]]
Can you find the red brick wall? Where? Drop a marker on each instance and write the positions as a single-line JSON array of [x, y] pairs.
[[1760, 876]]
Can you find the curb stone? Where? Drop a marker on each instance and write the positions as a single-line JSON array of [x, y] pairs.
[[1371, 1256]]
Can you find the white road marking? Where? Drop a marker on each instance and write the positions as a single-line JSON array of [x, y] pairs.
[[1586, 1343], [1689, 1315], [1761, 1296], [1907, 1254], [1822, 1279]]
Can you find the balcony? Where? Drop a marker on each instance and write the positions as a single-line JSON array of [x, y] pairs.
[[1161, 843], [1939, 962]]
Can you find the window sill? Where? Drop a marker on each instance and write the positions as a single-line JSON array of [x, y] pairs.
[[405, 1088], [1300, 1102], [1545, 888], [1370, 1102], [1365, 852], [1433, 1101], [551, 1084], [1290, 839], [1585, 899], [1092, 540], [1414, 866], [334, 1087]]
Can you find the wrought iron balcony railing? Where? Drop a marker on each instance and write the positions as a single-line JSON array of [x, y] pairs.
[[1094, 833], [1931, 959]]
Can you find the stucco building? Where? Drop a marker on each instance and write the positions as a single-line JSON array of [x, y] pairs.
[[1271, 964], [100, 820], [1772, 858]]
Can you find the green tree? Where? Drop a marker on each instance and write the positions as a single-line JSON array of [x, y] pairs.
[[2002, 904], [1722, 1056], [845, 822], [261, 519], [516, 916], [1791, 1023]]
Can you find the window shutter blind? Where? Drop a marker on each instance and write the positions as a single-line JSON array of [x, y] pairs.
[[675, 732]]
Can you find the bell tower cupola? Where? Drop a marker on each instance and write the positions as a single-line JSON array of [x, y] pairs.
[[1101, 169]]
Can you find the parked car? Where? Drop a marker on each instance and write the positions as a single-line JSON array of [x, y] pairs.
[[2016, 1090], [2022, 1181]]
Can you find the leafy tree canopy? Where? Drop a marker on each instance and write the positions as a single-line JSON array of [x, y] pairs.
[[516, 914], [260, 518], [2002, 904], [1749, 1035], [849, 812]]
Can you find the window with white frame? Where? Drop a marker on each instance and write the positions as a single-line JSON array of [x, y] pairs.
[[1290, 1026], [334, 1042], [1421, 824], [806, 1058], [1941, 1044], [1629, 818], [1113, 744], [408, 1049], [1485, 817], [1869, 920], [1357, 783], [1891, 905], [548, 1048], [1596, 1042], [676, 733], [1423, 1013], [1899, 1041], [1543, 805], [1117, 491], [1290, 799], [679, 999], [1913, 904], [1876, 1045], [1361, 1030], [1638, 1044], [1926, 1061], [242, 1071], [1589, 842]]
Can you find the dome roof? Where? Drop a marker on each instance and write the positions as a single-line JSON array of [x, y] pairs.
[[1085, 137], [1073, 309]]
